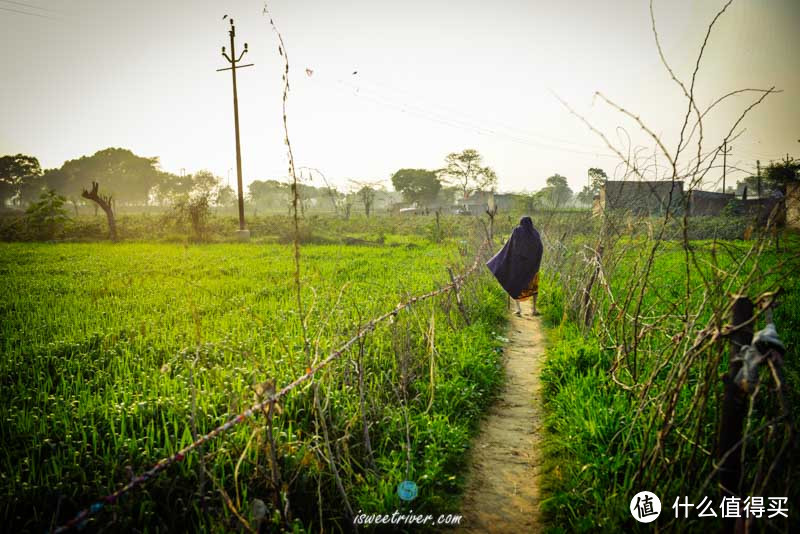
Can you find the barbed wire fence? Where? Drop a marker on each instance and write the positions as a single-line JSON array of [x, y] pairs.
[[667, 329], [272, 398]]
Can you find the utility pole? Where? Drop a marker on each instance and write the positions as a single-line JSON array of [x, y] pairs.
[[243, 234], [758, 177], [725, 151]]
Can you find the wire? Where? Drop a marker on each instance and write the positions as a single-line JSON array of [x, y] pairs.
[[441, 118], [503, 125], [31, 6], [478, 128], [29, 14]]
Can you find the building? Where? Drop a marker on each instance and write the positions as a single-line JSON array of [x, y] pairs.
[[708, 202], [652, 198], [640, 198], [479, 201]]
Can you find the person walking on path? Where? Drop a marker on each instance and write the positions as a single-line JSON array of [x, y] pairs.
[[516, 265]]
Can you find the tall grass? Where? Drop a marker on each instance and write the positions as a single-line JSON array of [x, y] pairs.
[[105, 347], [598, 432]]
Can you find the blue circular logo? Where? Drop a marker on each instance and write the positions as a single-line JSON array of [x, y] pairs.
[[407, 490]]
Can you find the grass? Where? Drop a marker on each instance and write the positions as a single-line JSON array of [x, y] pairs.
[[314, 228], [593, 444], [106, 348]]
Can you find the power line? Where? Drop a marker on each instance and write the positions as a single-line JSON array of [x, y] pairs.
[[478, 126], [548, 143], [503, 125], [440, 118], [30, 14], [31, 6], [493, 131], [480, 130]]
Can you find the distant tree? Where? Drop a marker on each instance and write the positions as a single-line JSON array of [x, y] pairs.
[[417, 185], [774, 177], [170, 187], [448, 195], [195, 210], [32, 187], [557, 191], [346, 205], [465, 170], [269, 194], [585, 195], [19, 174], [204, 182], [540, 198], [367, 196], [47, 215], [130, 178], [226, 197], [597, 177], [778, 174], [529, 202], [257, 190]]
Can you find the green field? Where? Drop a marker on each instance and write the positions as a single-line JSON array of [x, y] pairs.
[[116, 355], [598, 432]]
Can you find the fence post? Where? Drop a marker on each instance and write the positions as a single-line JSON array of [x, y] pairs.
[[734, 408], [588, 308], [458, 296], [491, 211]]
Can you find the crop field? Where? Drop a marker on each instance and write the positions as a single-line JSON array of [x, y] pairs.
[[119, 355], [115, 356]]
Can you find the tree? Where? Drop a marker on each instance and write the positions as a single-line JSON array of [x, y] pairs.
[[170, 188], [104, 201], [47, 215], [226, 197], [465, 171], [18, 173], [334, 196], [597, 177], [366, 191], [32, 187], [128, 176], [557, 191], [774, 177], [417, 185], [346, 205], [586, 195], [194, 209], [204, 182], [269, 194], [777, 175]]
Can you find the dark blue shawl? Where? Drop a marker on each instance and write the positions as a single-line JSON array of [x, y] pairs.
[[519, 259]]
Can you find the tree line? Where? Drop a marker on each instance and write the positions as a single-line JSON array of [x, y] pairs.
[[132, 181], [136, 181]]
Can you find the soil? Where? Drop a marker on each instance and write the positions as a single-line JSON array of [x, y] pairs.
[[502, 486]]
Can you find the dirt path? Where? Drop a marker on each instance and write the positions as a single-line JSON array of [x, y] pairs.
[[502, 489]]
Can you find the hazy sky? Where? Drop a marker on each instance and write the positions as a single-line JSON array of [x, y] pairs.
[[433, 77]]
